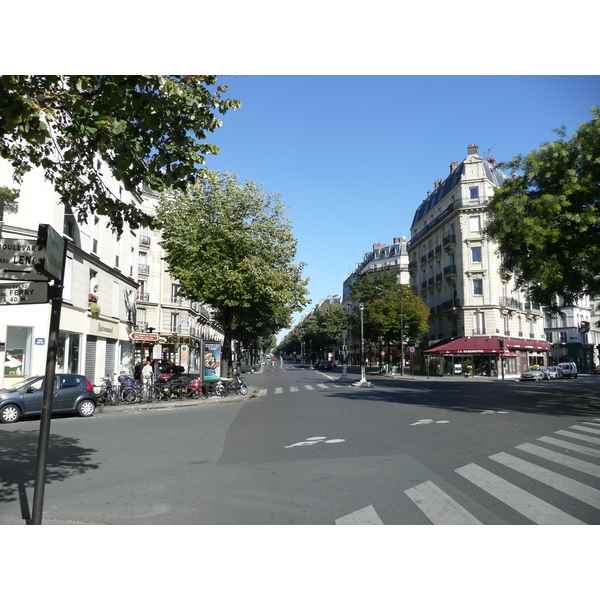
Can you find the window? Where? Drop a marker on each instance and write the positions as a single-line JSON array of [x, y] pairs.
[[478, 287], [476, 254], [474, 192], [115, 299], [479, 323], [563, 337], [67, 357], [174, 322], [475, 224], [18, 348], [96, 235]]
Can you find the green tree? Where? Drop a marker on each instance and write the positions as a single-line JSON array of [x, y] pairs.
[[385, 301], [230, 245], [148, 129], [546, 218], [323, 327]]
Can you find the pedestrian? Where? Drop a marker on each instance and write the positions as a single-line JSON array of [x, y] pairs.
[[147, 372]]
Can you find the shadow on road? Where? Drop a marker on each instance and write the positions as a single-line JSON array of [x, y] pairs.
[[18, 459]]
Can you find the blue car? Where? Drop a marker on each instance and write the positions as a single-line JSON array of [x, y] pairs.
[[72, 394]]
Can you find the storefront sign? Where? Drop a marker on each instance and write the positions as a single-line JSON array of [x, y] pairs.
[[27, 292], [140, 336]]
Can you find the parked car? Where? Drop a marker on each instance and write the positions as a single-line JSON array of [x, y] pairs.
[[569, 369], [72, 394], [533, 374], [166, 367], [325, 364], [597, 370], [558, 374], [244, 367]]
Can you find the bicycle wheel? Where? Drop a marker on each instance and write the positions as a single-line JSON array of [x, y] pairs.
[[129, 396]]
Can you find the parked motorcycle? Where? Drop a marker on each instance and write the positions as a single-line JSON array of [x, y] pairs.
[[236, 385]]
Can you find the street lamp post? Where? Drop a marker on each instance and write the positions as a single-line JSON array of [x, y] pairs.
[[363, 381], [344, 376], [401, 334]]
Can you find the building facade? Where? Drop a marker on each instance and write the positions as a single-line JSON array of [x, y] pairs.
[[455, 270], [181, 325], [99, 289]]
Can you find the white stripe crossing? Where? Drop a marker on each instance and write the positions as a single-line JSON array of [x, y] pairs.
[[594, 424], [578, 436], [568, 486], [438, 507], [309, 387], [570, 446], [527, 504], [364, 516], [278, 390], [322, 386], [587, 429], [262, 392], [293, 389], [561, 459]]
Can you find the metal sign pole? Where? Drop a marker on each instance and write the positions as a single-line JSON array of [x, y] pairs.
[[55, 292]]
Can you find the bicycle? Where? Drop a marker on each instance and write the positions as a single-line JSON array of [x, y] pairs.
[[106, 395]]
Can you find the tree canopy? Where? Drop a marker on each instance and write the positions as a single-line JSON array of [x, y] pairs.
[[230, 245], [148, 129], [385, 301], [546, 218]]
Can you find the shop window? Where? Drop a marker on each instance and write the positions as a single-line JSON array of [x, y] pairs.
[[18, 351], [67, 356]]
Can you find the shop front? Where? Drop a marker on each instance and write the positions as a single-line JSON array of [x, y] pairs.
[[484, 356]]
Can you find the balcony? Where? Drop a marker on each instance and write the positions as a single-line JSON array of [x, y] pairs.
[[143, 269], [508, 302], [144, 240], [450, 271], [143, 297], [449, 242], [438, 249], [412, 265]]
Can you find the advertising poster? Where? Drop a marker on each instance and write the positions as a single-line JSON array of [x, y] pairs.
[[212, 361]]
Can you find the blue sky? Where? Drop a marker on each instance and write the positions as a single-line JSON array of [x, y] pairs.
[[354, 156]]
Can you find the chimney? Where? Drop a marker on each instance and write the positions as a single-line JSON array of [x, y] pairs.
[[399, 240], [492, 160], [453, 166], [472, 149], [437, 183]]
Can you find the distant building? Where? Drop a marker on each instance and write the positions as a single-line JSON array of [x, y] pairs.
[[476, 313]]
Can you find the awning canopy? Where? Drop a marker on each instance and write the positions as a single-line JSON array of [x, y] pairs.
[[484, 345]]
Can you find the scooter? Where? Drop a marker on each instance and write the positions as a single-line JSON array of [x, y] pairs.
[[236, 386]]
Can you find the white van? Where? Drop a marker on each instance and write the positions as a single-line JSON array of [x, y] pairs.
[[569, 369]]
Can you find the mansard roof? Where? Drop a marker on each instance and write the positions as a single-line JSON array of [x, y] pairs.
[[493, 174]]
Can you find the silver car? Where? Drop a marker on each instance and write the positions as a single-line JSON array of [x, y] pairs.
[[533, 375], [555, 372]]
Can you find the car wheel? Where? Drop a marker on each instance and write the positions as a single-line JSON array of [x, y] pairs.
[[252, 370], [10, 414], [86, 408]]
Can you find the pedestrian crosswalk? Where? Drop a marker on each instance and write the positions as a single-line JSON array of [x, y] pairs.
[[440, 508], [294, 388]]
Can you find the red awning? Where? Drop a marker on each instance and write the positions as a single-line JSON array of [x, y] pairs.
[[484, 345]]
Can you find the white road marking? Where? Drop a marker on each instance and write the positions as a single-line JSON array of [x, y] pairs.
[[315, 440], [577, 436], [309, 387], [364, 516], [262, 392], [322, 386], [427, 422], [293, 389], [527, 504], [278, 390], [586, 429], [438, 507], [566, 485], [569, 446], [562, 459]]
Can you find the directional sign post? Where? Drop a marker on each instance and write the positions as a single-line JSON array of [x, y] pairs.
[[23, 292], [16, 260]]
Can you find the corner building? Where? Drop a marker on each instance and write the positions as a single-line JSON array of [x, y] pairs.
[[475, 313]]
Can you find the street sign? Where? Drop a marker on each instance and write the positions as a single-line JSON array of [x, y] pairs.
[[23, 292], [140, 336], [16, 260], [50, 252], [411, 349]]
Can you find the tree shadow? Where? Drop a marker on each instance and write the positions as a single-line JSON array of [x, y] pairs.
[[547, 397], [18, 460]]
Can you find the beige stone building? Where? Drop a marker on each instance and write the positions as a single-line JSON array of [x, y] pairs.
[[476, 314]]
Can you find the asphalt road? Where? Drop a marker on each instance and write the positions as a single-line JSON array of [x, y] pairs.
[[306, 449]]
